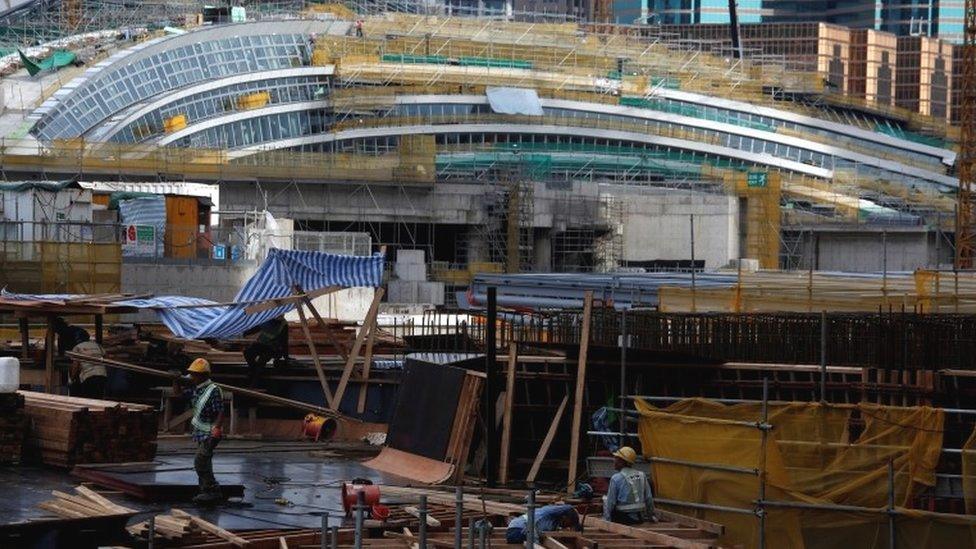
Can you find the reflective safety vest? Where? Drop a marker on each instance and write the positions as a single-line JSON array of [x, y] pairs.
[[635, 502], [198, 404]]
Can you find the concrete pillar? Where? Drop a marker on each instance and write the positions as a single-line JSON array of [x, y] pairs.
[[542, 247], [477, 246]]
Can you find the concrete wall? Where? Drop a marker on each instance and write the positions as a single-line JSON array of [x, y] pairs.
[[657, 226], [864, 250], [215, 282], [655, 220]]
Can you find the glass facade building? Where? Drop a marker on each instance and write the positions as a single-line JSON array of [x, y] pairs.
[[933, 18]]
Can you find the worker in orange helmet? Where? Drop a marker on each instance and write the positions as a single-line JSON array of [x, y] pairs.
[[207, 403], [629, 499]]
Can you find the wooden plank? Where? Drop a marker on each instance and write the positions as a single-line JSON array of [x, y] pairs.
[[686, 520], [212, 528], [414, 512], [647, 534], [507, 414], [546, 442], [180, 419], [367, 363], [315, 356], [354, 354], [574, 435]]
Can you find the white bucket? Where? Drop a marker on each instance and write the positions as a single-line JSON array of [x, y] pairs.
[[9, 374]]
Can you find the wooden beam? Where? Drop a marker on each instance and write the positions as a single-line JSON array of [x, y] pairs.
[[296, 404], [507, 414], [266, 304], [49, 356], [24, 337], [547, 442], [354, 354], [315, 356], [574, 435], [367, 364]]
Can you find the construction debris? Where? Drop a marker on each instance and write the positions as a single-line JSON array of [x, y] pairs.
[[86, 503]]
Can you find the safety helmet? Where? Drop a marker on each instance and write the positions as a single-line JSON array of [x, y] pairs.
[[199, 366], [627, 454]]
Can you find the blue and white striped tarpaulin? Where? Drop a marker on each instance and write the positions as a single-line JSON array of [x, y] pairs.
[[276, 277]]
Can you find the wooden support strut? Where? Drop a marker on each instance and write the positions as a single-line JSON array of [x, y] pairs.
[[507, 413], [354, 354], [547, 442], [574, 435], [315, 356], [341, 349], [367, 364]]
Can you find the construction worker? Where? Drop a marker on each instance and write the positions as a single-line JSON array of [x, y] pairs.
[[548, 518], [359, 28], [68, 335], [629, 499], [88, 379], [208, 413], [272, 343]]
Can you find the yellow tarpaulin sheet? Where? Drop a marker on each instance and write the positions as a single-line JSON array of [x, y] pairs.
[[811, 456]]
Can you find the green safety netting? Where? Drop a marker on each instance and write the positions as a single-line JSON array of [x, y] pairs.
[[409, 58], [494, 62], [462, 61], [887, 128], [693, 111], [58, 59], [675, 164], [668, 82]]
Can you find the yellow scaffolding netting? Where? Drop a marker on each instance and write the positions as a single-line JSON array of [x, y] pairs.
[[713, 454]]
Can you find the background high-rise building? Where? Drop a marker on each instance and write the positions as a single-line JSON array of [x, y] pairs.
[[933, 18]]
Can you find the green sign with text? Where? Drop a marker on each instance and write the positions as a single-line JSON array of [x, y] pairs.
[[756, 179]]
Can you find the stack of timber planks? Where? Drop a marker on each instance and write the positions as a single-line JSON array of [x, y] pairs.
[[65, 431], [13, 428]]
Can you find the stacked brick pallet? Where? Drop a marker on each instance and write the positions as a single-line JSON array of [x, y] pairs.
[[13, 427], [65, 431]]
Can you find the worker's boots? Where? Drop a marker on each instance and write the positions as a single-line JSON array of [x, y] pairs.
[[209, 497]]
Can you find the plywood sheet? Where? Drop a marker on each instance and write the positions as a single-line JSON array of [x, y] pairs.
[[426, 406], [411, 466]]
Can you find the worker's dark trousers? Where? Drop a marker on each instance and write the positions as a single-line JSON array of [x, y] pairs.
[[93, 387], [203, 463], [626, 518], [257, 356]]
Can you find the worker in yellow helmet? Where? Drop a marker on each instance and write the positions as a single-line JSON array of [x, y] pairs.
[[207, 403], [629, 499]]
